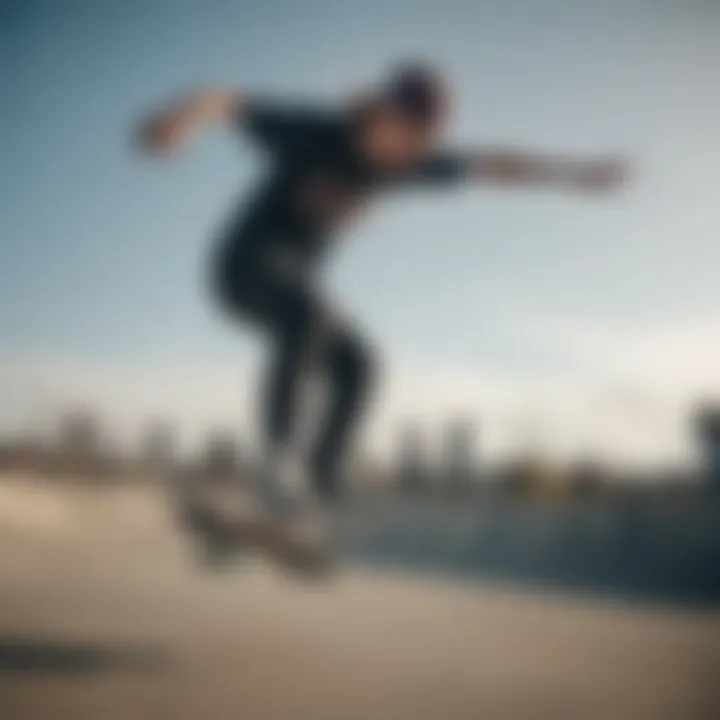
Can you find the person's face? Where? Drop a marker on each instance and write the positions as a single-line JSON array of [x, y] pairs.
[[390, 140]]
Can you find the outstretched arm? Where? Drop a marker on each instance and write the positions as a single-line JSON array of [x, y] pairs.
[[173, 126], [278, 127], [511, 168]]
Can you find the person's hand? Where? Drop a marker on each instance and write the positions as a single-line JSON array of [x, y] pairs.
[[601, 175], [163, 132]]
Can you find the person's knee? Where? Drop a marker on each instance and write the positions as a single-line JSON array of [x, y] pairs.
[[355, 362], [299, 328]]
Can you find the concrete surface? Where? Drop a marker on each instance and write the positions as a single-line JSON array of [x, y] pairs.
[[104, 616]]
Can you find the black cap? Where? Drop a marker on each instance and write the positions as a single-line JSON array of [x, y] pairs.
[[418, 91]]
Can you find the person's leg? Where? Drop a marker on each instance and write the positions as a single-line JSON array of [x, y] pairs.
[[306, 337], [350, 365], [299, 327], [296, 320], [255, 292]]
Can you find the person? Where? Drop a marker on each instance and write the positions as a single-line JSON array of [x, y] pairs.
[[323, 165]]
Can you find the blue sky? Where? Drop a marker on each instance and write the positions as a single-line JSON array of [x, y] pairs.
[[101, 254]]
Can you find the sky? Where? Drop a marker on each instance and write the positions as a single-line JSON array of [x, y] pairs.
[[584, 325]]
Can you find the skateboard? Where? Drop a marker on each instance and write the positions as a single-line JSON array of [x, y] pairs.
[[226, 534]]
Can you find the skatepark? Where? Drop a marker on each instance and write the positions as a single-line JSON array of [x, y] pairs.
[[104, 613]]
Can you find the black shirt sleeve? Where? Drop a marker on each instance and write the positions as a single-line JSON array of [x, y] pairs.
[[443, 168], [278, 127]]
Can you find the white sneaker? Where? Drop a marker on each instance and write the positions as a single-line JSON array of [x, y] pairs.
[[281, 486]]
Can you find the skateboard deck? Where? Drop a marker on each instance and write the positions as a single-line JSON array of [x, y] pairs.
[[280, 542], [227, 531]]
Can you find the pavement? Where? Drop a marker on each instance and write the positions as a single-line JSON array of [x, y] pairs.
[[105, 615]]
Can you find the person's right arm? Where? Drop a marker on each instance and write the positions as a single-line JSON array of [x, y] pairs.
[[279, 127], [171, 127]]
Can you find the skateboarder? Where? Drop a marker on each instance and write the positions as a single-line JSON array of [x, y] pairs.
[[323, 164]]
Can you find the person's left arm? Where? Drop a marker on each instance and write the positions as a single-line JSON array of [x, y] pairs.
[[513, 168]]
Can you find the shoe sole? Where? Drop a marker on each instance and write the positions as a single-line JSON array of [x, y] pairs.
[[279, 541], [261, 532]]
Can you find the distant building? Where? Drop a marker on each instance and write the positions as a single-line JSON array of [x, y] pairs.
[[458, 452], [158, 445], [79, 444], [707, 424], [220, 454], [412, 462], [79, 434]]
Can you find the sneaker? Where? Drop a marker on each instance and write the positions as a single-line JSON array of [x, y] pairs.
[[298, 539], [281, 487]]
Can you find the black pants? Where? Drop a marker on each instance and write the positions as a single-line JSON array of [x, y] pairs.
[[307, 340]]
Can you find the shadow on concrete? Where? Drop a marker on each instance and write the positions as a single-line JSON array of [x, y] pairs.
[[46, 656]]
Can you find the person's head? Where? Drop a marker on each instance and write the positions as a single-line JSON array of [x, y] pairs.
[[400, 121]]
